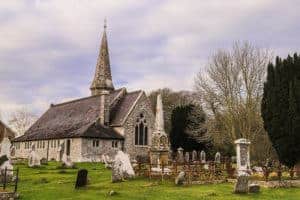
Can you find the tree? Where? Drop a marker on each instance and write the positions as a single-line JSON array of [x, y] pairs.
[[188, 128], [20, 120], [231, 89], [281, 108], [170, 101]]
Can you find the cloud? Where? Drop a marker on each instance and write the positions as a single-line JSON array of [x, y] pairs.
[[48, 49]]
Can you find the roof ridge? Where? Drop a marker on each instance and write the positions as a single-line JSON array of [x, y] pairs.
[[83, 98], [135, 91], [72, 101]]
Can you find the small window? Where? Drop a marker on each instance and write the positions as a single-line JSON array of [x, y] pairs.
[[95, 143], [114, 144]]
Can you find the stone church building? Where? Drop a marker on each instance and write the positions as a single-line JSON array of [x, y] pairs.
[[108, 120]]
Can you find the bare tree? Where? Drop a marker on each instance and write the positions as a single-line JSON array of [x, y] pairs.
[[20, 120], [231, 89]]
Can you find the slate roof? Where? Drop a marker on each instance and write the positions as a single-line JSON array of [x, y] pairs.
[[79, 118], [4, 129]]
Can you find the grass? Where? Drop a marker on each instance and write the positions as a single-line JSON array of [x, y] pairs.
[[49, 182]]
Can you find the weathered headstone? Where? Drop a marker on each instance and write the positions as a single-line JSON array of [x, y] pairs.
[[60, 151], [180, 178], [203, 157], [254, 188], [81, 180], [180, 157], [242, 156], [194, 156], [107, 161], [241, 185], [122, 168], [34, 159], [218, 157], [5, 151], [243, 165], [187, 157], [66, 161]]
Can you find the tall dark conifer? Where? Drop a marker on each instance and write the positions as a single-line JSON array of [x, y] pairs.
[[281, 108]]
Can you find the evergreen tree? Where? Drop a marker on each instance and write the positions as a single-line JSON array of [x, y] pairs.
[[281, 108], [187, 130]]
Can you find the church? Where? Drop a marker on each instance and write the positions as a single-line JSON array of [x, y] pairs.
[[108, 120]]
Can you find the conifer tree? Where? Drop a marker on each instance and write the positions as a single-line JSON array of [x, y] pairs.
[[281, 108]]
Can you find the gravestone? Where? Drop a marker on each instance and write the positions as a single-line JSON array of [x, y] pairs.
[[243, 165], [66, 161], [194, 156], [121, 168], [34, 159], [180, 178], [203, 157], [187, 157], [218, 157], [5, 150], [243, 156], [60, 151], [81, 180], [241, 185], [254, 188], [180, 157]]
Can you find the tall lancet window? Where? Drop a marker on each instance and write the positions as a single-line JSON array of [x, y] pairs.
[[141, 131]]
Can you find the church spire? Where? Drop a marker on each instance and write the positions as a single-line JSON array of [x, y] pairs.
[[102, 79]]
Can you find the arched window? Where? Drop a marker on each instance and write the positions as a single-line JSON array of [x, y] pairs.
[[141, 131]]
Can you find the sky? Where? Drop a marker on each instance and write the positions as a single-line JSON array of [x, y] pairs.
[[48, 49]]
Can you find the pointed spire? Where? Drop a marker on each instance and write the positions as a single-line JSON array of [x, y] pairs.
[[102, 79]]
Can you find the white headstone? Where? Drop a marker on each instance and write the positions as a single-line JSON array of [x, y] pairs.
[[122, 167], [243, 156], [66, 160], [180, 157], [33, 159], [194, 155], [187, 157], [203, 157], [218, 157], [6, 150]]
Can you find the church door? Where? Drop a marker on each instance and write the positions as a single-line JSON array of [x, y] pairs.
[[68, 147]]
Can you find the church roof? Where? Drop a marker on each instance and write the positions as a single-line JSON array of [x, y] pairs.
[[5, 131], [79, 118]]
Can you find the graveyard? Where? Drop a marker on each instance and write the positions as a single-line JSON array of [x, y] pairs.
[[49, 182], [142, 100]]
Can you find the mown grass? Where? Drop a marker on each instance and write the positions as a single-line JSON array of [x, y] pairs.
[[49, 182]]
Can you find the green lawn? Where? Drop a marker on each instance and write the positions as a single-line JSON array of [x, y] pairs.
[[49, 182]]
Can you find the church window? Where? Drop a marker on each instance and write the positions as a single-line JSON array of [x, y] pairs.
[[141, 131], [95, 143], [114, 144]]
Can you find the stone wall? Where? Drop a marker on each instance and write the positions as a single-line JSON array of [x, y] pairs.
[[143, 106], [92, 153], [50, 146], [82, 150]]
